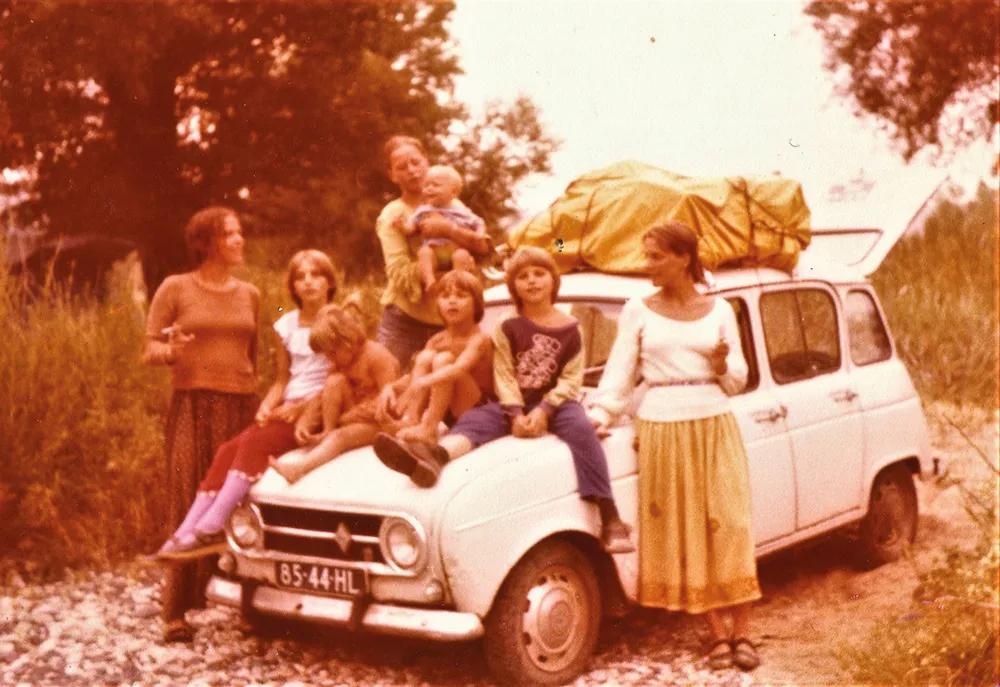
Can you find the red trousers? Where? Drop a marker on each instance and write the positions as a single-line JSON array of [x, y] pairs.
[[248, 452]]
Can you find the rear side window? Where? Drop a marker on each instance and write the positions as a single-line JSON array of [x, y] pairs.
[[869, 340], [800, 333]]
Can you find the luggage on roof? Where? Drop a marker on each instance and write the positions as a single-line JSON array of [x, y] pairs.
[[600, 218]]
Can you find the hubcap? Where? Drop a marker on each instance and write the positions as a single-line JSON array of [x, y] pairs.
[[554, 620]]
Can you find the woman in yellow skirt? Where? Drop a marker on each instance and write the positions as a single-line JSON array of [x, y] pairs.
[[696, 550]]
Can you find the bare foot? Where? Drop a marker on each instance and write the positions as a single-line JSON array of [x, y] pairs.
[[289, 472]]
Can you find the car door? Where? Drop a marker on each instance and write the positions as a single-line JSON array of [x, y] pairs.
[[765, 437], [803, 338]]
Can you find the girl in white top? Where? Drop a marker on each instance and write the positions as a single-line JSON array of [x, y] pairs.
[[284, 419], [696, 549]]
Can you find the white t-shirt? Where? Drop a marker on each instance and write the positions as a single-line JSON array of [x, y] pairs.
[[308, 369], [663, 350]]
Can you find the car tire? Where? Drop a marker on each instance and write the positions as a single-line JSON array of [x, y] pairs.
[[890, 526], [545, 619]]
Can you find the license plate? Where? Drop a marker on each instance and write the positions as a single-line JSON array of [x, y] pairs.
[[321, 579]]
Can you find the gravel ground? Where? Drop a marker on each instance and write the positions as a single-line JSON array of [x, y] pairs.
[[104, 628]]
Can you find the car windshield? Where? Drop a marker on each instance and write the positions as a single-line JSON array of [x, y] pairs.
[[598, 327]]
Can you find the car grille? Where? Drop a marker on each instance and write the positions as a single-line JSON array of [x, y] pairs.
[[322, 534]]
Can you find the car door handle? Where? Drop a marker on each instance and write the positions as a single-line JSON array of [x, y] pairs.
[[771, 415], [844, 395]]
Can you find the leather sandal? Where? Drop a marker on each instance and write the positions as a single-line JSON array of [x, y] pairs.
[[745, 656], [720, 654]]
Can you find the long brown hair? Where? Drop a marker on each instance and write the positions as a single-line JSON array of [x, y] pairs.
[[679, 239]]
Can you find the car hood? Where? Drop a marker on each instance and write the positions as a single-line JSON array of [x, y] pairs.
[[358, 480]]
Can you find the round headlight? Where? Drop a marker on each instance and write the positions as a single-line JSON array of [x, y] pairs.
[[245, 527], [402, 545]]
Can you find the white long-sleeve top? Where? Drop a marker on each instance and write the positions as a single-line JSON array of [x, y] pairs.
[[661, 350]]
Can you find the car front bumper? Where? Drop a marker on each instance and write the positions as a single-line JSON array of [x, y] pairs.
[[405, 621]]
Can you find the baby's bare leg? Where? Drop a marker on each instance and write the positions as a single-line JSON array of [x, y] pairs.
[[437, 406], [427, 262], [462, 259], [333, 444]]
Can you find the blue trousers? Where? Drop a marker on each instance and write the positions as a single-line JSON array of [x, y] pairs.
[[568, 422]]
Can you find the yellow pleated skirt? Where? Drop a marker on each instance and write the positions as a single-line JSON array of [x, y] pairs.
[[696, 548]]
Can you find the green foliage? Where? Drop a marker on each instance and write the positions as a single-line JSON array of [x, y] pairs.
[[135, 114], [928, 70], [949, 637], [939, 292], [81, 474]]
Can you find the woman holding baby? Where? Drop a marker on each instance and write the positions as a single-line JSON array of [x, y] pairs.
[[410, 315]]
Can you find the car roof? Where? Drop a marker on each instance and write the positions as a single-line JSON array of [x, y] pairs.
[[592, 284]]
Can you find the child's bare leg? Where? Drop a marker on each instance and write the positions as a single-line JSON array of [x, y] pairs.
[[462, 259], [337, 397], [438, 404], [427, 262], [422, 366], [333, 444], [465, 395]]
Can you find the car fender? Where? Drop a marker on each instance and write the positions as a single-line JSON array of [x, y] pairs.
[[493, 521]]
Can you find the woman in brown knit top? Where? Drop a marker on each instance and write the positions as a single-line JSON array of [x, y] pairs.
[[203, 324]]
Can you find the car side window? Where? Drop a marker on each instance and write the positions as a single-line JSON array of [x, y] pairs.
[[865, 329], [746, 342], [800, 333]]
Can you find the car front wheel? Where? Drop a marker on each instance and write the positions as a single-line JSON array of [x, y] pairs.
[[544, 622], [891, 523]]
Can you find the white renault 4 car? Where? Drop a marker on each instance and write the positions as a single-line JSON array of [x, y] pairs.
[[503, 549]]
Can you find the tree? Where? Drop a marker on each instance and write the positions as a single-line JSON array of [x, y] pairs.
[[929, 70], [136, 114]]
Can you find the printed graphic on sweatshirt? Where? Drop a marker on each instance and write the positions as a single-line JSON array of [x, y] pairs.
[[537, 365]]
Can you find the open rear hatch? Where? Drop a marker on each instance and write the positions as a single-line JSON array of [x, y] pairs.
[[859, 234]]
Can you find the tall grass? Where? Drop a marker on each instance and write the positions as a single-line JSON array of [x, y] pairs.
[[939, 291], [80, 429]]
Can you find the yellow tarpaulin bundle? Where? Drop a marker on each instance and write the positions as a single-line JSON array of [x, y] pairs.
[[600, 218]]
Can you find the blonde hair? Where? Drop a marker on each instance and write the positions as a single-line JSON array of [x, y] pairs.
[[530, 256], [322, 263], [333, 328], [451, 174], [679, 239], [461, 280]]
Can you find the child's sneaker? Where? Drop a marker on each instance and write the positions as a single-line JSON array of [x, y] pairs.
[[616, 537], [394, 453], [430, 458]]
